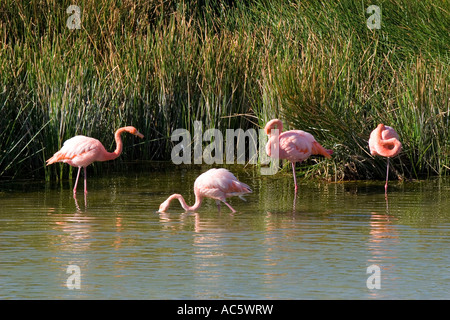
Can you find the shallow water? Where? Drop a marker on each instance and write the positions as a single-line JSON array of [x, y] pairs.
[[315, 246]]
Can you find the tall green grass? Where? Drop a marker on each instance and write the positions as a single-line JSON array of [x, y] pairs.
[[161, 65], [346, 79]]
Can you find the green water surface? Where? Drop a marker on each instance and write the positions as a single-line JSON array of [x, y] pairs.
[[317, 245]]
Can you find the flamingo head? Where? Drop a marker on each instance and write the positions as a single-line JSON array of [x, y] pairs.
[[381, 127], [272, 124], [133, 131], [164, 206]]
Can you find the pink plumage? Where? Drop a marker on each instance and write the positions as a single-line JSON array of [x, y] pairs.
[[384, 141], [81, 151], [217, 184], [294, 145]]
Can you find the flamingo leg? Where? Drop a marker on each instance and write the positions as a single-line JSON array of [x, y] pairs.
[[295, 202], [85, 178], [387, 176], [76, 181], [295, 178], [229, 206]]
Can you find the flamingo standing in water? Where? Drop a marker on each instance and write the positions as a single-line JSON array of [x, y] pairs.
[[81, 151], [384, 141], [217, 184], [294, 145]]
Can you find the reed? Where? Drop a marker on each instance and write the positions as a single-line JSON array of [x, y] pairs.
[[161, 65], [342, 84]]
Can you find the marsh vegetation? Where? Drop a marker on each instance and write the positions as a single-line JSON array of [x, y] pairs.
[[161, 65]]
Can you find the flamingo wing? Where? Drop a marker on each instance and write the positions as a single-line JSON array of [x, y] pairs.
[[298, 145], [389, 133], [80, 147], [220, 184], [295, 145]]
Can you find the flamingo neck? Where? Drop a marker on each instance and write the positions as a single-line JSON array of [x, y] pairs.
[[198, 202], [119, 145], [271, 125]]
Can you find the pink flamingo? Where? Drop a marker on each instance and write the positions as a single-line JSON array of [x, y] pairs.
[[294, 145], [81, 151], [217, 184], [384, 141]]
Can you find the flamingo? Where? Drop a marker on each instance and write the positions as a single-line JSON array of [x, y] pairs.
[[294, 145], [81, 151], [384, 141], [217, 184]]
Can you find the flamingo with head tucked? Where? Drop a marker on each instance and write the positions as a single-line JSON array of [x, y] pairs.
[[217, 184], [294, 145], [384, 141], [81, 151]]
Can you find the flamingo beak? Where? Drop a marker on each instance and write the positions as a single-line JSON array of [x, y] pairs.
[[140, 135], [161, 210]]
